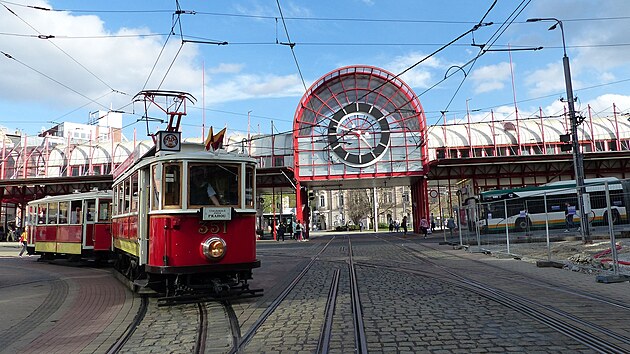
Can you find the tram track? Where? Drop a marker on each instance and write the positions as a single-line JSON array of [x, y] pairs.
[[137, 320], [324, 338], [357, 312], [352, 316], [592, 335], [247, 337], [202, 330]]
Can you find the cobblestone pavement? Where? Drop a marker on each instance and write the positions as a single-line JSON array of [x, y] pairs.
[[405, 312], [410, 303], [59, 309]]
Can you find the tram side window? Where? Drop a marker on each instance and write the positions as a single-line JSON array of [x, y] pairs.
[[156, 187], [63, 212], [41, 214], [53, 210], [115, 204], [121, 199], [127, 194], [91, 210], [31, 218], [172, 185], [104, 210], [249, 187], [75, 213], [134, 192]]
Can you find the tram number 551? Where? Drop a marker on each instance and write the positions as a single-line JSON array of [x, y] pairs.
[[212, 227]]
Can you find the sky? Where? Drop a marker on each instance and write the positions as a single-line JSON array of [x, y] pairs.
[[104, 52]]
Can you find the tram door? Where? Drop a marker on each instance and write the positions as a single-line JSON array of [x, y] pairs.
[[144, 180], [89, 219]]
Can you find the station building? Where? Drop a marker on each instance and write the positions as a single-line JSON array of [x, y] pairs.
[[358, 130]]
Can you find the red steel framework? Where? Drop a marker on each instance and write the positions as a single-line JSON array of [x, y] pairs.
[[383, 116]]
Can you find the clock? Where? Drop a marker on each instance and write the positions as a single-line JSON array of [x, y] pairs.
[[358, 134]]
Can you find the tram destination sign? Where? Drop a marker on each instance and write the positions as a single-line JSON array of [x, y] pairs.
[[214, 213]]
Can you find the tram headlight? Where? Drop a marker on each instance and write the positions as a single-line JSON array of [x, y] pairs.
[[214, 248]]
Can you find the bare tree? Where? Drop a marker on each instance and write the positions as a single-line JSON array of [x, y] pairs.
[[360, 205]]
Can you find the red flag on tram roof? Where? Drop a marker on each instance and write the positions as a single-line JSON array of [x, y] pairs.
[[215, 141], [208, 139]]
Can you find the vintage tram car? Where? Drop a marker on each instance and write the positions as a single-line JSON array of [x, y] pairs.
[[184, 221], [75, 225]]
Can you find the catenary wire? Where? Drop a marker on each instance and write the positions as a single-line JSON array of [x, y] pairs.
[[63, 51]]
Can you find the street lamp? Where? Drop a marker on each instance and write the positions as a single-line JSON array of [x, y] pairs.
[[578, 161]]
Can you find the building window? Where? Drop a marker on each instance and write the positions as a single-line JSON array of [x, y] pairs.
[[340, 199], [612, 145], [322, 201], [387, 197]]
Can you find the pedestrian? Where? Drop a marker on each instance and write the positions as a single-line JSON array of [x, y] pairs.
[[569, 213], [391, 225], [424, 227], [450, 224], [24, 242], [298, 231], [305, 234], [281, 230], [289, 229], [432, 221], [404, 224], [396, 225], [360, 226]]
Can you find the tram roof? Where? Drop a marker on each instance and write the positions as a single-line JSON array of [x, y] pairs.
[[74, 196], [191, 151]]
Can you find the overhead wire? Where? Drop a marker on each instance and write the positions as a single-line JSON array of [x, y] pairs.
[[63, 51], [52, 79], [286, 18]]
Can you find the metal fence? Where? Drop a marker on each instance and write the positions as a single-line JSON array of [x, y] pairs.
[[546, 224]]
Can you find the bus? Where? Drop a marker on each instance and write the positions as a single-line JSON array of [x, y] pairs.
[[529, 208]]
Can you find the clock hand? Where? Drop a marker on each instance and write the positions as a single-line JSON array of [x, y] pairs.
[[365, 141]]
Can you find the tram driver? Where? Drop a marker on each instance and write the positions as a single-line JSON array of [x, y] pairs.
[[201, 190]]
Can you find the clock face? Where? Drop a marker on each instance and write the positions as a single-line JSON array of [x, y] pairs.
[[358, 134]]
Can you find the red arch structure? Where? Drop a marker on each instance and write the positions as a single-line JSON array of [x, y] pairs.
[[360, 127]]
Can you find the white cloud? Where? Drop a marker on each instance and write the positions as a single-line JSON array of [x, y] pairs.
[[604, 103], [547, 80], [418, 77], [243, 87], [592, 45], [122, 63], [491, 77], [225, 68]]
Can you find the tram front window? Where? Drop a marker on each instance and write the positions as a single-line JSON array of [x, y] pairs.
[[213, 185]]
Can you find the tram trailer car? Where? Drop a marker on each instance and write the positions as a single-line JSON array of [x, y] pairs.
[[184, 222], [75, 225]]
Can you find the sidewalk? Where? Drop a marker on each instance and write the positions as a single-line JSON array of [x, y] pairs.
[[8, 249]]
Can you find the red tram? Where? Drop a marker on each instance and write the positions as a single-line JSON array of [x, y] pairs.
[[184, 221], [74, 225]]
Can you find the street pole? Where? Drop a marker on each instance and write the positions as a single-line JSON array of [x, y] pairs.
[[578, 160]]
